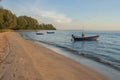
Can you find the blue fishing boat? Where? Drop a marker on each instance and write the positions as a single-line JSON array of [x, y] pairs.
[[50, 32], [90, 38]]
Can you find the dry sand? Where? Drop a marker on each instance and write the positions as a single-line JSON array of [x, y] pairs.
[[22, 59]]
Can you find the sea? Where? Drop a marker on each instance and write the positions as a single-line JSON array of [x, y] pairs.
[[106, 50]]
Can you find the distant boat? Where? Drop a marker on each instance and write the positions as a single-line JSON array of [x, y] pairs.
[[90, 38], [38, 33], [50, 32]]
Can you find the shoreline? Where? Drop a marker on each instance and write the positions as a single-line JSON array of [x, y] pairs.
[[94, 65], [29, 60]]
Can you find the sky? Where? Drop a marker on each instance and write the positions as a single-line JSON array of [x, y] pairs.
[[70, 14]]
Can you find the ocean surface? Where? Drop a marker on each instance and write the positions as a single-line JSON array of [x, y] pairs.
[[105, 50]]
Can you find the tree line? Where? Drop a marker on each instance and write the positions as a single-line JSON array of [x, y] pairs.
[[8, 20]]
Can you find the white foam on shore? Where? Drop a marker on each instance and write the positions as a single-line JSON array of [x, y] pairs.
[[107, 71]]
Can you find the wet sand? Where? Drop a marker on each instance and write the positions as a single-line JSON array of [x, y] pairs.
[[22, 59]]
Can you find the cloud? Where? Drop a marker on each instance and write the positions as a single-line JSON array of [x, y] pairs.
[[50, 16], [59, 18]]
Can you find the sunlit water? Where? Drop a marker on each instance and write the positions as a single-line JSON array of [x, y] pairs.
[[106, 50]]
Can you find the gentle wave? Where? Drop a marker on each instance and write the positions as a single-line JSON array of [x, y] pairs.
[[90, 56]]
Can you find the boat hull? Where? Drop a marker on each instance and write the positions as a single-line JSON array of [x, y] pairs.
[[91, 38], [50, 32]]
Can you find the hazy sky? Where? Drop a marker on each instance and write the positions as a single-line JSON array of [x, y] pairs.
[[70, 14]]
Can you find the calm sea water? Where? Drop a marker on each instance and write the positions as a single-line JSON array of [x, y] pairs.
[[106, 50]]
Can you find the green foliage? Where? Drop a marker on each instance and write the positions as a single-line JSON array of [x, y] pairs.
[[46, 27], [9, 21]]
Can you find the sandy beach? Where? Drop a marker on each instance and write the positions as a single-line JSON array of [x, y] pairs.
[[22, 59]]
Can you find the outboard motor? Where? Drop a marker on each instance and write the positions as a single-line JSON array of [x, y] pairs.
[[72, 37]]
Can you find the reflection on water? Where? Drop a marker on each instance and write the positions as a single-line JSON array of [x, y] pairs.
[[82, 46], [79, 45]]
